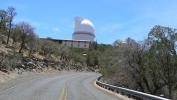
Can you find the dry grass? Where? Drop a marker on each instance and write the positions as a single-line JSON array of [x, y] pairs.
[[3, 49], [55, 58], [5, 77]]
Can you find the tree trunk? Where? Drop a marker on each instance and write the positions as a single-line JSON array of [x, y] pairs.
[[141, 86], [10, 25], [21, 46], [13, 43], [8, 37], [169, 84], [61, 56], [158, 87], [147, 84], [30, 52]]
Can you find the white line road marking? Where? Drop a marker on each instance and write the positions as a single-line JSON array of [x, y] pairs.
[[19, 85]]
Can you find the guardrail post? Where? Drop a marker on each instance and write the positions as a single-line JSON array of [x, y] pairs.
[[112, 90], [122, 93], [105, 87], [137, 98], [117, 91], [129, 96]]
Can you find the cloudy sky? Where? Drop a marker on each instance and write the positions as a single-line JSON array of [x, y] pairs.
[[113, 19]]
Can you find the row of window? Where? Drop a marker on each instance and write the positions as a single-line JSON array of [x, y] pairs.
[[72, 41], [78, 45]]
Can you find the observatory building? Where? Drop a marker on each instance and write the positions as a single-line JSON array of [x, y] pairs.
[[83, 34], [84, 29]]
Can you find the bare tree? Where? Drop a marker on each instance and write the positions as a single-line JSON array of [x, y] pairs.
[[26, 33]]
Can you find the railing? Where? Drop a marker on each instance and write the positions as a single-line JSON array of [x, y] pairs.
[[130, 93]]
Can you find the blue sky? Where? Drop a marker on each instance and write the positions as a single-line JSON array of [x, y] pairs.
[[113, 19]]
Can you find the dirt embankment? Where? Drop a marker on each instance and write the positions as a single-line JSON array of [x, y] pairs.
[[4, 76]]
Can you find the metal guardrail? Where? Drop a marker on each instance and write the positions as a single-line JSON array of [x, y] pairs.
[[128, 92]]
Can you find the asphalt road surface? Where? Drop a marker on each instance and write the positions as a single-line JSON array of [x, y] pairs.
[[70, 86]]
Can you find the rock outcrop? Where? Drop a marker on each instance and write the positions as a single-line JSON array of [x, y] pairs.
[[22, 64]]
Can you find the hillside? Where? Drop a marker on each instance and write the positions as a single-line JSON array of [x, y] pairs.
[[13, 63]]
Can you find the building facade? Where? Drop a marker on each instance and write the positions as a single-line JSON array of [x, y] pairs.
[[73, 43]]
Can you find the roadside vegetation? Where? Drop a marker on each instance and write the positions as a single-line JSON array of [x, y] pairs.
[[148, 65]]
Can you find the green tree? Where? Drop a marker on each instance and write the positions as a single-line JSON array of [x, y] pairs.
[[3, 20], [32, 44], [163, 49], [48, 47], [15, 34], [11, 14]]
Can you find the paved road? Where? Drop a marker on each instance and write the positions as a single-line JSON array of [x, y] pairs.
[[70, 86]]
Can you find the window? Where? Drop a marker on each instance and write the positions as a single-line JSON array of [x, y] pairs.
[[71, 45], [65, 44], [78, 45], [84, 45], [60, 41]]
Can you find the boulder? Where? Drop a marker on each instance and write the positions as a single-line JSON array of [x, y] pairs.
[[21, 69], [20, 72], [4, 70], [34, 70], [39, 69], [2, 53], [46, 60], [3, 41], [31, 65], [26, 59]]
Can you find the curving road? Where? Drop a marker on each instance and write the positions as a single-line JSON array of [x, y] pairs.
[[70, 86]]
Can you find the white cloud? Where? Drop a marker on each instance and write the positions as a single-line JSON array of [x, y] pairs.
[[56, 29], [110, 28], [35, 24]]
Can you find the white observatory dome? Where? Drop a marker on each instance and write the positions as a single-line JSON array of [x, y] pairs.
[[84, 29]]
